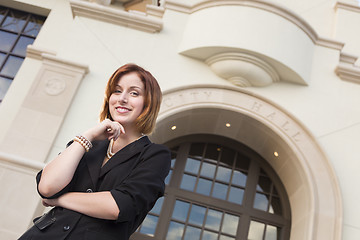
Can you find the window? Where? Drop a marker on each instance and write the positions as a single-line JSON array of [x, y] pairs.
[[218, 189], [17, 30]]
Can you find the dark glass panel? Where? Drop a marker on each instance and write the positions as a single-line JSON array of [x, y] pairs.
[[4, 86], [236, 195], [261, 202], [264, 184], [180, 210], [275, 206], [212, 151], [197, 215], [227, 156], [223, 174], [197, 149], [175, 231], [188, 182], [220, 191], [12, 66], [239, 178], [192, 166], [242, 162], [15, 21], [149, 225], [21, 45], [204, 186], [213, 220], [7, 41], [208, 170]]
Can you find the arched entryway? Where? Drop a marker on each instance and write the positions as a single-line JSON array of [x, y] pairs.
[[272, 132]]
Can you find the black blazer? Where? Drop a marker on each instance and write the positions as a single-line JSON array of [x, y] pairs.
[[134, 176]]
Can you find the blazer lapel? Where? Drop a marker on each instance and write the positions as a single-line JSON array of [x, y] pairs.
[[95, 158], [125, 154]]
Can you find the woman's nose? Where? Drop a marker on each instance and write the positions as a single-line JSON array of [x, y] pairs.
[[123, 97]]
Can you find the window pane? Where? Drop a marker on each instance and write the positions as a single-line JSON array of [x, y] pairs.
[[21, 45], [212, 151], [275, 206], [230, 224], [192, 233], [34, 25], [157, 207], [180, 210], [220, 191], [168, 177], [209, 236], [256, 231], [261, 202], [236, 195], [188, 182], [227, 156], [197, 149], [7, 41], [149, 225], [271, 233], [15, 21], [2, 58], [222, 237], [239, 178], [213, 220], [264, 184], [4, 86], [11, 66], [197, 215], [192, 166], [223, 174], [175, 231], [204, 186], [208, 170]]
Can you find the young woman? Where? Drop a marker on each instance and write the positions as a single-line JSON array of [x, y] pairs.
[[108, 178]]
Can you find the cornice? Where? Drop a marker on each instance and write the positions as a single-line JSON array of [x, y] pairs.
[[289, 15], [20, 162], [118, 16], [347, 70], [347, 6]]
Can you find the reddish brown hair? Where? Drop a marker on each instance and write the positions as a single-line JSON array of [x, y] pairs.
[[152, 96]]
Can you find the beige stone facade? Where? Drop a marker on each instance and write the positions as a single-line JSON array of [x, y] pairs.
[[284, 74]]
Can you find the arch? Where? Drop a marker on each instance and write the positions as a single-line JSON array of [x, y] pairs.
[[264, 126]]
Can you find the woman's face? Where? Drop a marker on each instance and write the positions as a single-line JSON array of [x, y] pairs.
[[126, 103]]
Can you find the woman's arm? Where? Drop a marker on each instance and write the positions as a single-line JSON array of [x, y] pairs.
[[58, 173], [99, 204]]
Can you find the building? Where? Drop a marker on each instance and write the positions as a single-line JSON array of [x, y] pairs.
[[260, 108]]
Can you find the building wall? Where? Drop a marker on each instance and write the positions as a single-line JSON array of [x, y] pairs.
[[323, 101]]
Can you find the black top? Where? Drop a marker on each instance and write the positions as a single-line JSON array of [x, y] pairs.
[[134, 176]]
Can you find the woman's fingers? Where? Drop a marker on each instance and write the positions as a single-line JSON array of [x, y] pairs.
[[114, 129]]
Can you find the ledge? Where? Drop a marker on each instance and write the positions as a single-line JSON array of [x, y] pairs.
[[347, 70], [116, 16], [181, 6], [17, 161], [347, 6]]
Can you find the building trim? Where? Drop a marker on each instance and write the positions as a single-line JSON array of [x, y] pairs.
[[347, 6], [347, 70], [291, 16], [118, 16]]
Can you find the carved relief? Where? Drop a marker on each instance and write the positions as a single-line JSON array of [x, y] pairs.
[[54, 86]]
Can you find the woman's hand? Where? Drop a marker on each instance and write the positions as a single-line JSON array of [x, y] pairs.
[[49, 202], [107, 129]]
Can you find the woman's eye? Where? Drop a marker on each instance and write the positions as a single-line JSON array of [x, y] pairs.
[[134, 94], [117, 91]]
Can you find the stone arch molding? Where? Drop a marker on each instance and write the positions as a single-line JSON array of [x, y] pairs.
[[308, 177]]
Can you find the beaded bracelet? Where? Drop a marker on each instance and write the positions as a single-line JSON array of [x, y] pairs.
[[84, 142]]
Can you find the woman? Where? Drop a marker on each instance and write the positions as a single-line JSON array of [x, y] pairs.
[[109, 177]]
